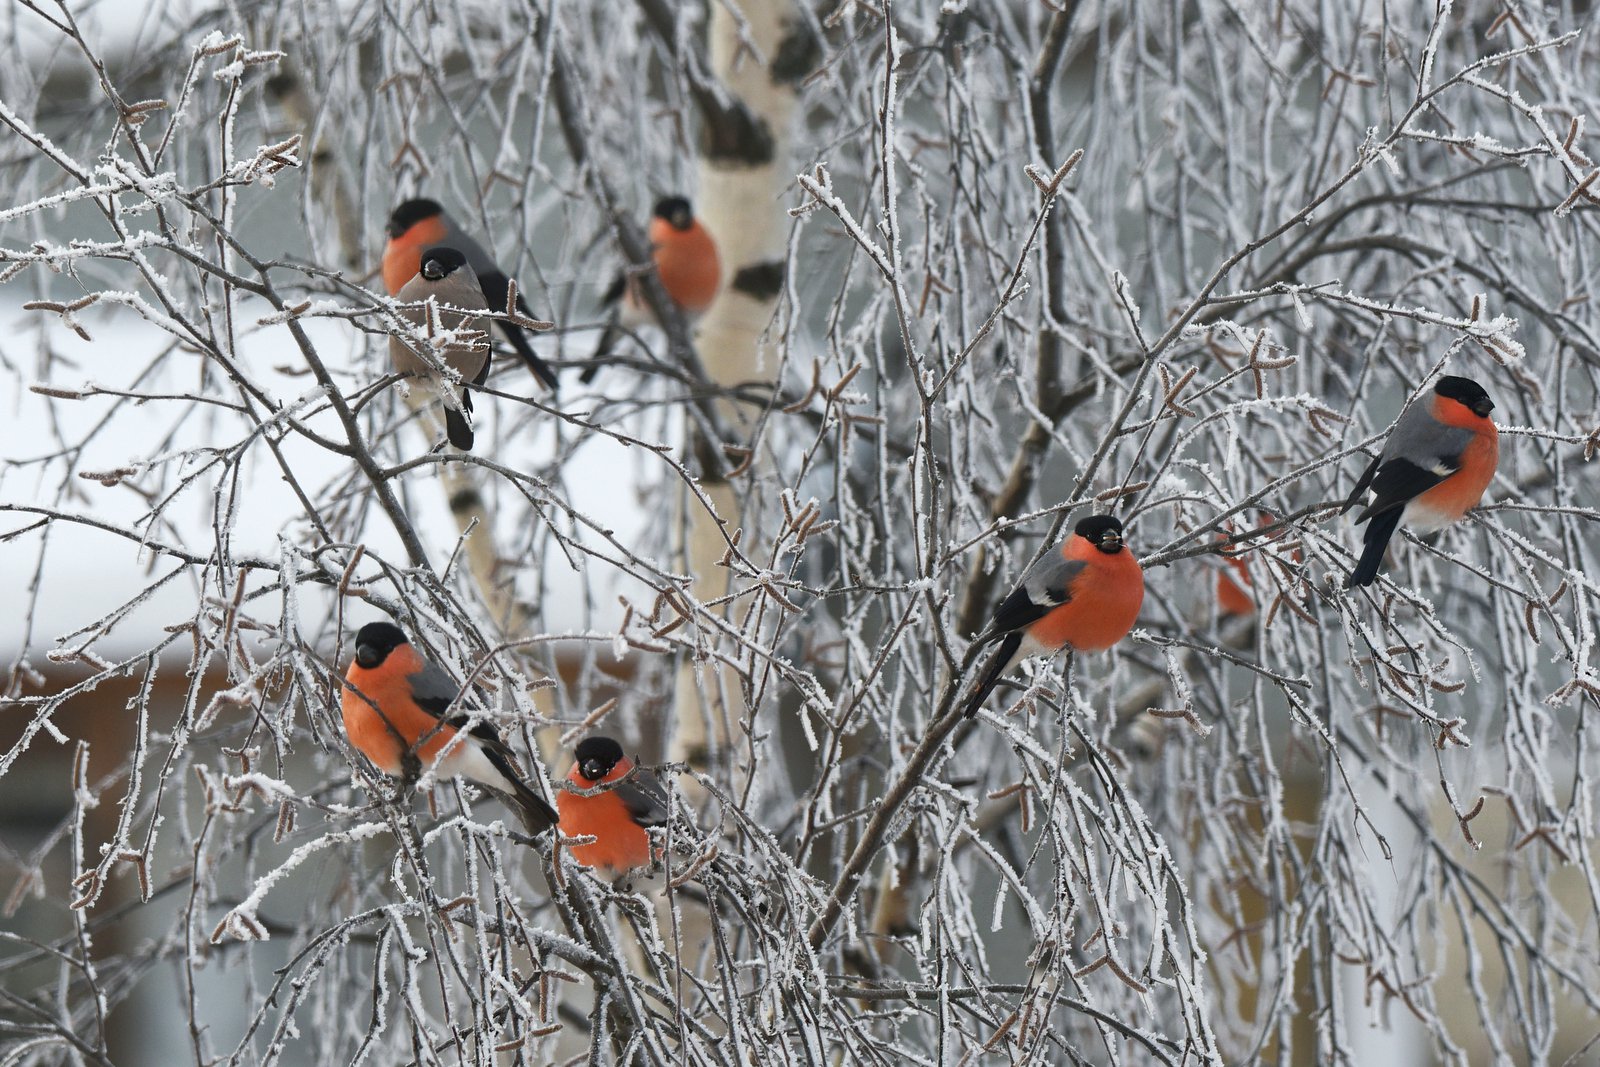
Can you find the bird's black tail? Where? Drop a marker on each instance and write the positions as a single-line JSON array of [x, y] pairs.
[[536, 815], [457, 427], [998, 662], [1379, 530], [612, 333], [519, 341], [608, 340]]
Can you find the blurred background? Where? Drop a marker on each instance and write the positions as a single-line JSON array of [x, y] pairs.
[[1280, 825]]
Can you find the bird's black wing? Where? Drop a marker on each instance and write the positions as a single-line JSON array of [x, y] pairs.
[[1361, 484], [496, 288], [643, 796], [1398, 480], [1421, 452], [434, 691], [1046, 586]]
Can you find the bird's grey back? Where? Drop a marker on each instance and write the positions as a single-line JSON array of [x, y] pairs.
[[1046, 579], [459, 288], [478, 257], [1419, 437], [432, 684]]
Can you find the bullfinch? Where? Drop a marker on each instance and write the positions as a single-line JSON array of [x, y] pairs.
[[1083, 596], [418, 225], [1437, 462], [393, 706], [1234, 596], [630, 799], [446, 278], [686, 261]]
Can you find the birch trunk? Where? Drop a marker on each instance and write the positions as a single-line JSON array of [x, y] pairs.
[[740, 197], [742, 181]]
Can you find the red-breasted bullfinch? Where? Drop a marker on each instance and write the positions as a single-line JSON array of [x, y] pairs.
[[1083, 596], [418, 225], [446, 278], [686, 261], [631, 799], [1234, 595], [393, 702], [1438, 460]]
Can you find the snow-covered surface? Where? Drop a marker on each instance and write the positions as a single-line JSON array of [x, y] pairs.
[[87, 572]]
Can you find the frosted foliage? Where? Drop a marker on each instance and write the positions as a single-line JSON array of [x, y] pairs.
[[1182, 262]]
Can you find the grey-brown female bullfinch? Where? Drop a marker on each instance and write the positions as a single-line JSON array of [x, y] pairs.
[[393, 706], [1438, 460], [417, 225], [686, 261], [446, 278], [616, 817], [1083, 596]]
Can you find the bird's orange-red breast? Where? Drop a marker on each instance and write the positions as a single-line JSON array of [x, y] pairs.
[[686, 261], [410, 234], [685, 256], [1232, 599], [616, 817], [1102, 603], [1084, 596], [396, 704], [1434, 468], [382, 717], [1451, 499]]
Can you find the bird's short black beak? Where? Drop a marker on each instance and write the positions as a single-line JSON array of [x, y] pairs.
[[1111, 542], [592, 771], [1481, 408], [432, 270], [367, 657], [394, 230]]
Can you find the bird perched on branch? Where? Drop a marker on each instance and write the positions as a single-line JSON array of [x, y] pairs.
[[447, 280], [418, 225], [398, 713], [1084, 596], [1233, 596], [1437, 462], [630, 799], [686, 261], [1235, 593]]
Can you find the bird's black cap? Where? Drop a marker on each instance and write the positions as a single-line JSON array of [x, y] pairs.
[[1102, 531], [676, 211], [596, 756], [375, 641], [441, 261], [1465, 391], [410, 213]]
